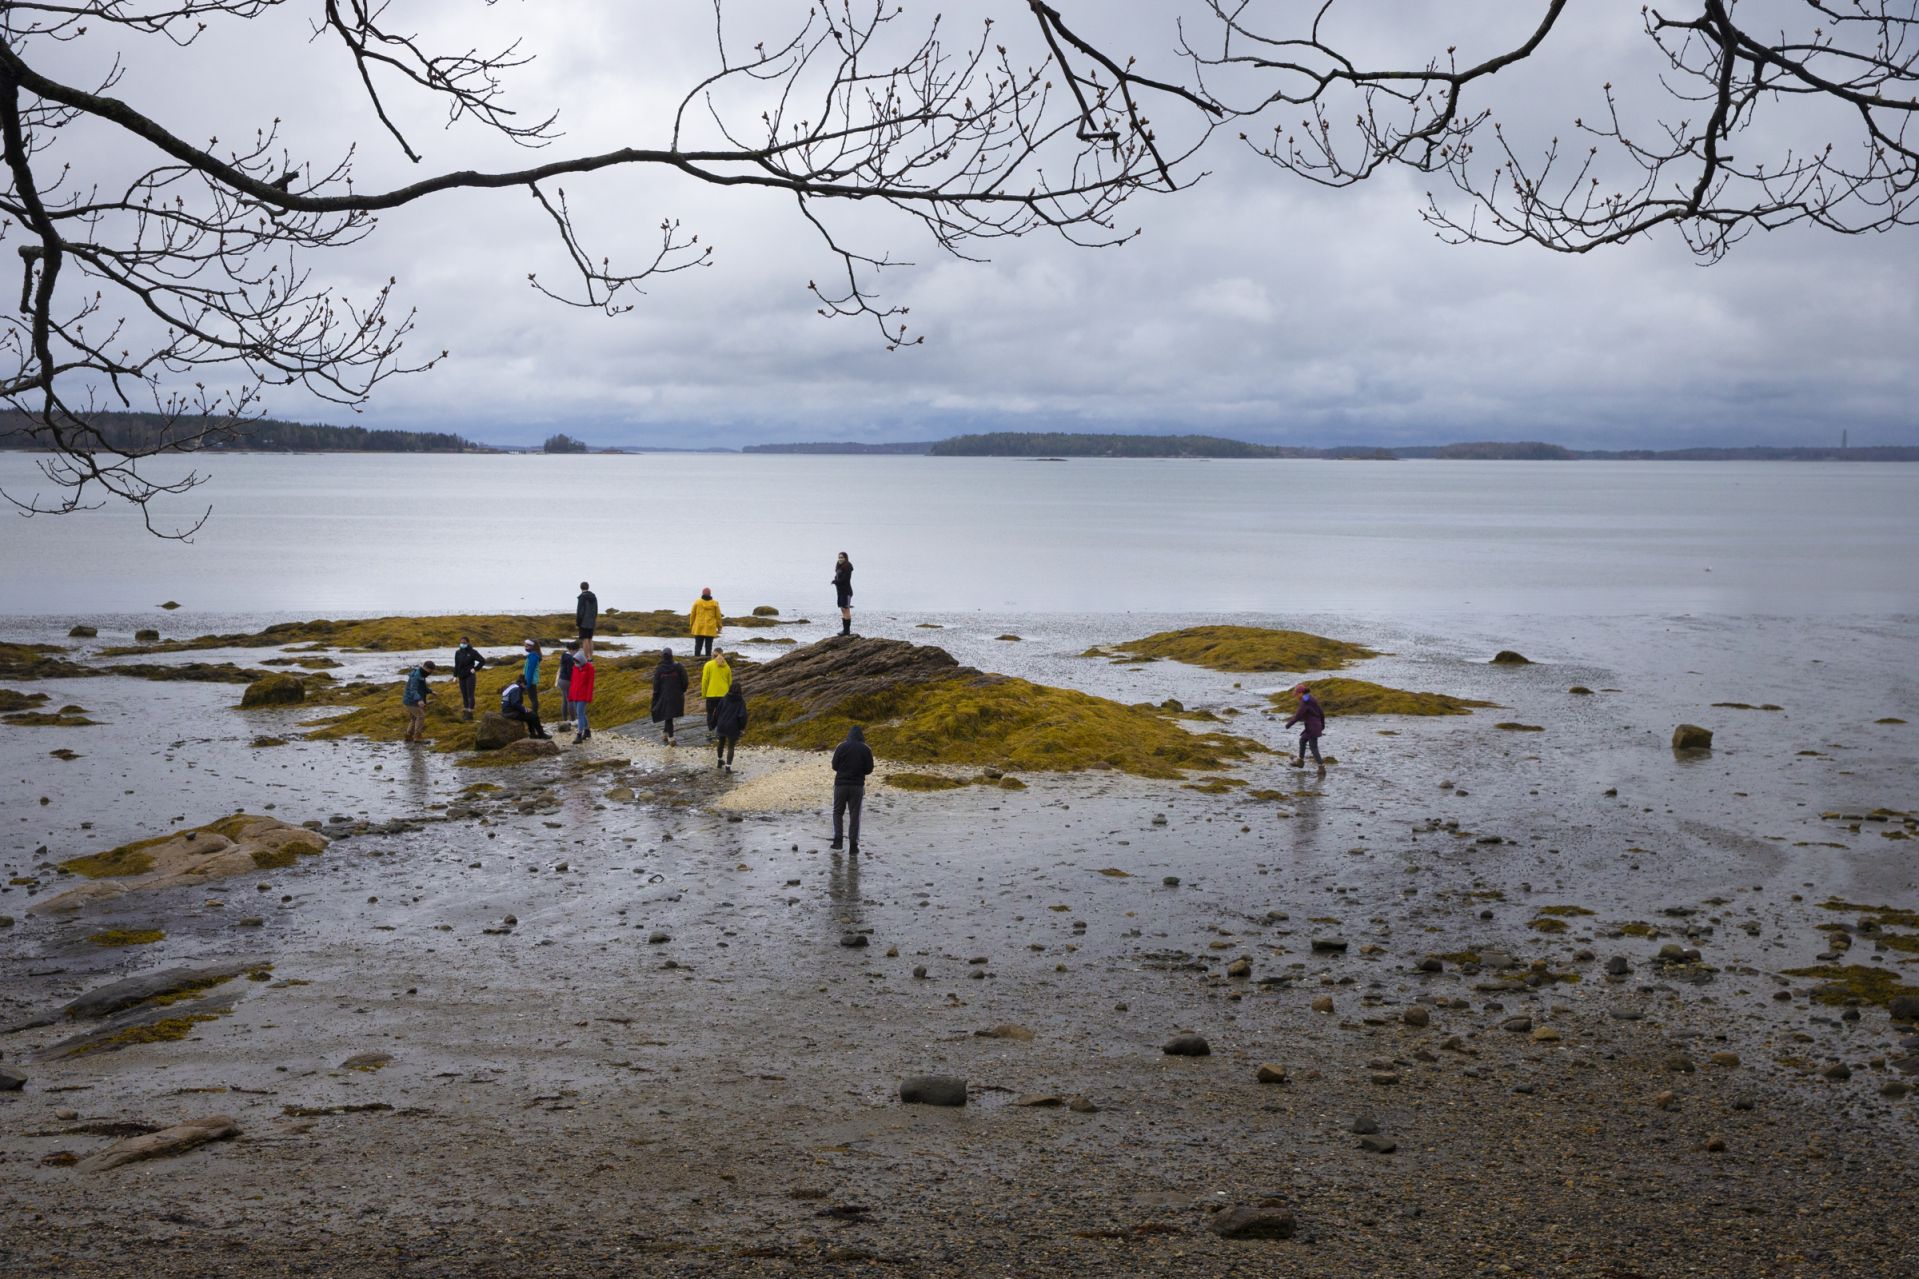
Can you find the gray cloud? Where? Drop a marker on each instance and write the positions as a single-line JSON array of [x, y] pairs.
[[1254, 305]]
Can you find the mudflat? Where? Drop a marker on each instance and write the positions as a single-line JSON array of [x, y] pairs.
[[1474, 1002]]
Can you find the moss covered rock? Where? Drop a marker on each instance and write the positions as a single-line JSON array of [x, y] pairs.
[[1242, 649], [277, 689], [236, 845], [146, 636], [495, 730], [82, 632], [1507, 657], [765, 610], [1691, 737], [1341, 696]]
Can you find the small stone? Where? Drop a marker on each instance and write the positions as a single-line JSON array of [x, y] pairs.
[[1904, 1008], [1267, 1219], [1322, 1003], [1007, 1030], [1545, 1035], [368, 1061], [1384, 1078], [919, 970], [1728, 1060], [1041, 1100], [1667, 1100], [1378, 1145], [11, 1080], [1431, 964], [1715, 1144], [1680, 1063], [1271, 1072], [1618, 966], [1363, 1124], [853, 941], [1081, 1106], [1329, 945], [1416, 1015], [933, 1090], [1187, 1046], [1838, 1072], [658, 938], [66, 1114], [1241, 967], [511, 921], [1171, 881], [1517, 1025]]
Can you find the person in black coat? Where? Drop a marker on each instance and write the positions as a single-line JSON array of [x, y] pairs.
[[467, 660], [852, 762], [669, 692], [843, 591], [729, 722], [586, 616]]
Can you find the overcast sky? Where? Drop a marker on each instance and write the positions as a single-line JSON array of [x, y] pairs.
[[1254, 305]]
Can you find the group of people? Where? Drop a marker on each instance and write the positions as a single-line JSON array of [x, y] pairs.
[[725, 699]]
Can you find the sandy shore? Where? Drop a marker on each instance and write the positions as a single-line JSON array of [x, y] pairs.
[[636, 1017]]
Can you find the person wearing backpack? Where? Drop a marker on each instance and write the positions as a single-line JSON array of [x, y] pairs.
[[413, 698], [728, 726]]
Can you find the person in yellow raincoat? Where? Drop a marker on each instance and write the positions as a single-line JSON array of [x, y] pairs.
[[716, 678], [704, 624]]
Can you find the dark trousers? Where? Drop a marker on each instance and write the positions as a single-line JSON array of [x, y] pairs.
[[1309, 743], [524, 716], [725, 747], [466, 689], [847, 799], [533, 712], [703, 646]]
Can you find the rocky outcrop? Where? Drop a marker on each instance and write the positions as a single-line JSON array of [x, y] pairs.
[[277, 689], [495, 730], [1691, 737], [146, 636], [82, 632], [1507, 657], [236, 845]]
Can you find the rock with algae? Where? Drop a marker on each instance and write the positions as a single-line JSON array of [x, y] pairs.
[[1242, 649], [1341, 696], [277, 689], [234, 845], [1691, 737]]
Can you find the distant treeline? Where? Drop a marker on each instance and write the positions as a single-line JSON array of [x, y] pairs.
[[916, 450], [144, 431], [1067, 444]]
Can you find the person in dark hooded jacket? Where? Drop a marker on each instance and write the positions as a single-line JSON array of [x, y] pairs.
[[1311, 719], [586, 617], [729, 722], [852, 762], [669, 692], [467, 660]]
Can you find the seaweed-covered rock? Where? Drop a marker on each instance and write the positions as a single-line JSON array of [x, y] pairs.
[[1691, 737], [1507, 657], [765, 610], [1242, 649], [146, 635], [236, 845], [277, 689], [495, 730], [82, 632]]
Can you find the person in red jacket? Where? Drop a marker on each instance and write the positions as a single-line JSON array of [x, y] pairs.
[[580, 693], [1312, 721]]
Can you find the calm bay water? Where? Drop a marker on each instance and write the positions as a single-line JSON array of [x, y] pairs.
[[367, 534]]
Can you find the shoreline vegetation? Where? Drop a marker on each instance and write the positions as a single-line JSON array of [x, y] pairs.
[[150, 431]]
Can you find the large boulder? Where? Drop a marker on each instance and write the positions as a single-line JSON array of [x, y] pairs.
[[82, 632], [1691, 737], [242, 844], [1507, 657], [277, 689], [1266, 1219], [495, 730], [146, 635], [528, 748]]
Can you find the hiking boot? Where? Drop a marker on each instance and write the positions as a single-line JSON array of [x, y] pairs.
[[853, 849], [836, 844]]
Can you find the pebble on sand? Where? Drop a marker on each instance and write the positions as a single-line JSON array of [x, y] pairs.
[[933, 1090]]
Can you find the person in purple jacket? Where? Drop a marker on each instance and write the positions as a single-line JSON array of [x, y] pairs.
[[1312, 721]]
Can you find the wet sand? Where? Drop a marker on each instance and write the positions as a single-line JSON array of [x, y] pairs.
[[567, 1095]]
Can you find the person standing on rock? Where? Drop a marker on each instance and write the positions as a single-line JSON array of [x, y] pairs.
[[729, 723], [715, 678], [530, 685], [466, 661], [580, 696], [704, 623], [569, 657], [852, 763], [669, 693], [843, 589], [414, 700], [1312, 722], [586, 616]]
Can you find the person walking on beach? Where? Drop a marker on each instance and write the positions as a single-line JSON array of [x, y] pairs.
[[513, 706], [569, 656], [586, 616], [728, 725], [852, 762], [715, 678], [580, 696], [466, 660], [669, 693], [1312, 721], [843, 589], [414, 700], [530, 686], [704, 622]]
